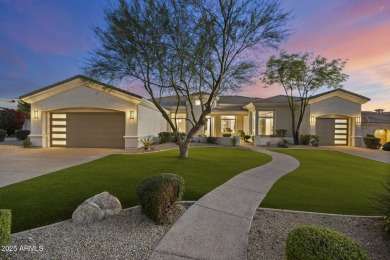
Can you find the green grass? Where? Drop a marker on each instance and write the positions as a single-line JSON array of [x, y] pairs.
[[329, 182], [54, 197]]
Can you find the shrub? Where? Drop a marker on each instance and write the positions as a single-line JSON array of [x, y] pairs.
[[309, 242], [226, 135], [315, 140], [27, 143], [165, 137], [212, 139], [281, 132], [283, 143], [157, 193], [146, 142], [228, 130], [241, 133], [246, 138], [5, 227], [304, 139], [372, 142], [234, 141], [386, 146], [3, 134], [22, 134]]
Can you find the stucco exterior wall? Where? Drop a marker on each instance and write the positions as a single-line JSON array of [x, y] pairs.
[[82, 99], [150, 123], [337, 107]]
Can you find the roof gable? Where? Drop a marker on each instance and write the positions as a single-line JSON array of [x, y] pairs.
[[342, 93], [75, 82]]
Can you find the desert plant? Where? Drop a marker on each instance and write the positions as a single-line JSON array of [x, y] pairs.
[[146, 142], [27, 143], [372, 142], [5, 227], [157, 193], [212, 139], [22, 134], [386, 146], [283, 143], [281, 132], [312, 243], [234, 141], [315, 140], [382, 203], [3, 134], [228, 130], [304, 139]]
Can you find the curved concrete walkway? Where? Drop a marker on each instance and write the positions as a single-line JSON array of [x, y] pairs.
[[217, 225]]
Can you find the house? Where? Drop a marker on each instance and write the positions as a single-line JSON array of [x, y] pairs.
[[82, 112], [376, 123]]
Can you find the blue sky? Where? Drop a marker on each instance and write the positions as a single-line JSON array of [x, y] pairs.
[[46, 41]]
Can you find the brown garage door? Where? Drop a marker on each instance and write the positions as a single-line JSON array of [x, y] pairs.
[[332, 131], [94, 130]]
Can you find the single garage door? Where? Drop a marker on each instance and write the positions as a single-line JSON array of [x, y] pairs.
[[89, 129], [332, 131]]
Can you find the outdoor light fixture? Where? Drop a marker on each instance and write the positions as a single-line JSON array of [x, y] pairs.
[[35, 114], [358, 119], [312, 119], [131, 116]]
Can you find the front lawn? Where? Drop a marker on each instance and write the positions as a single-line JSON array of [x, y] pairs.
[[54, 197], [329, 182]]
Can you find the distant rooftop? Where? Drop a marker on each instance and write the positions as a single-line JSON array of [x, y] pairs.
[[375, 117], [11, 103]]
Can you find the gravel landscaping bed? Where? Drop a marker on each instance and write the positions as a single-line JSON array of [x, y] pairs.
[[128, 235], [270, 227]]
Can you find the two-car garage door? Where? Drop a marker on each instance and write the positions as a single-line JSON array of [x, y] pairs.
[[88, 129]]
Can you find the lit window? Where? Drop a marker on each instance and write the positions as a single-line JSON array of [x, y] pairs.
[[266, 123], [197, 102], [179, 120], [228, 124]]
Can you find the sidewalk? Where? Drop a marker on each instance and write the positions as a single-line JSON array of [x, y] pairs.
[[217, 225]]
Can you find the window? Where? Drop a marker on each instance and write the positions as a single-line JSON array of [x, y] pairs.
[[180, 121], [228, 122], [266, 123], [197, 102]]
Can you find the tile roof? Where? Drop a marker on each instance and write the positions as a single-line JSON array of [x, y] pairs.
[[82, 77], [374, 117]]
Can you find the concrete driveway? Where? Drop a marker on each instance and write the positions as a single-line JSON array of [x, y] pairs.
[[19, 164], [376, 155]]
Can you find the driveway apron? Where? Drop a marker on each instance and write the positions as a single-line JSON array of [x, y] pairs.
[[22, 164], [217, 225]]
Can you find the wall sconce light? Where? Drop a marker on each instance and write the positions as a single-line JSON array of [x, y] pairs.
[[358, 119], [312, 119], [131, 115], [35, 114]]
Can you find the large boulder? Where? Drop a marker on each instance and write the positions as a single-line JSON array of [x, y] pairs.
[[97, 208]]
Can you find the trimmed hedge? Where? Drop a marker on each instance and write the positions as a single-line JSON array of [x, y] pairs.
[[304, 139], [22, 134], [166, 137], [372, 142], [3, 134], [386, 146], [5, 227], [157, 193], [316, 243]]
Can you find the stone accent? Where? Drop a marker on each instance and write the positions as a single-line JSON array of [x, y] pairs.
[[96, 208]]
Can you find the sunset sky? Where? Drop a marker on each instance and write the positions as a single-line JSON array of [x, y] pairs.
[[46, 41]]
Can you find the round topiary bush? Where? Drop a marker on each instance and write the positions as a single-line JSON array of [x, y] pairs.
[[309, 242], [157, 193], [386, 146]]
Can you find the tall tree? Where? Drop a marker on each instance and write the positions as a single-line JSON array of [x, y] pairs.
[[301, 75], [186, 48]]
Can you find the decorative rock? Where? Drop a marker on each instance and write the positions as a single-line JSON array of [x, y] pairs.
[[96, 208]]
